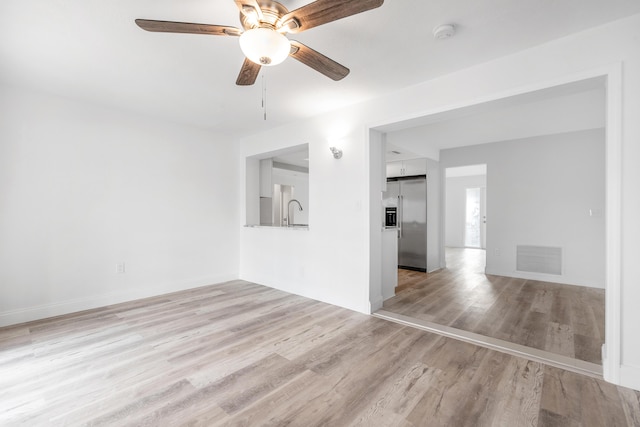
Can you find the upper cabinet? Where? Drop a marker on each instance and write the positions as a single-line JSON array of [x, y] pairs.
[[266, 177], [394, 169], [411, 167]]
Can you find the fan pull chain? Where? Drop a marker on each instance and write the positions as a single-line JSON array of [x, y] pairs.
[[264, 97]]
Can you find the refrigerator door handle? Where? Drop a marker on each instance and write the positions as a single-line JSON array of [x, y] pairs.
[[400, 215]]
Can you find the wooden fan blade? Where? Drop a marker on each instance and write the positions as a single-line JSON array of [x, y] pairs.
[[187, 27], [322, 11], [248, 7], [318, 61], [248, 73]]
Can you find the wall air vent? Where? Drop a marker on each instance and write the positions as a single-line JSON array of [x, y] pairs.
[[539, 259]]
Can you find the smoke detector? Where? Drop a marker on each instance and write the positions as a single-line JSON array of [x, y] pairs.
[[444, 31]]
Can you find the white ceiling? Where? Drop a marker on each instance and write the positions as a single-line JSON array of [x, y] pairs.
[[297, 157], [92, 50], [570, 107]]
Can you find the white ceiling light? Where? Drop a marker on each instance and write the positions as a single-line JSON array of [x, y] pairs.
[[444, 31], [265, 46]]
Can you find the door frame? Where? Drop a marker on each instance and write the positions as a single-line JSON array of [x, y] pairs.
[[612, 75]]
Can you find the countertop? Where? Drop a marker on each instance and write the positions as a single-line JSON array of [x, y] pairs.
[[293, 227]]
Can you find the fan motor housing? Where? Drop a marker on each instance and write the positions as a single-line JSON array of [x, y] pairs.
[[272, 11]]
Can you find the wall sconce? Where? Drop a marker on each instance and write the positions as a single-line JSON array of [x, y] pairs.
[[337, 153]]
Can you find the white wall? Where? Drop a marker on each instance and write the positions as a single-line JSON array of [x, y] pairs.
[[413, 138], [328, 262], [335, 267], [456, 202], [83, 188], [540, 192]]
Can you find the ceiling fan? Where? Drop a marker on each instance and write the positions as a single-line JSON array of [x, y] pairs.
[[263, 41]]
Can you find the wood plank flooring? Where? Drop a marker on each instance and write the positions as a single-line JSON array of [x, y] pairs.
[[240, 354], [561, 319]]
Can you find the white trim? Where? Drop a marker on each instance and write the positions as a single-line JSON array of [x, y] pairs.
[[612, 358], [60, 308], [629, 376], [375, 305], [552, 278], [374, 151]]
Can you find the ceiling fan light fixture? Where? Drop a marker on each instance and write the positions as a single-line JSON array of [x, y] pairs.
[[265, 46]]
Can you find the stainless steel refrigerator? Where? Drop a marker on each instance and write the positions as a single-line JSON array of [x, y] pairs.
[[410, 196]]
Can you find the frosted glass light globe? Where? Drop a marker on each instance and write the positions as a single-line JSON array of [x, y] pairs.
[[265, 46]]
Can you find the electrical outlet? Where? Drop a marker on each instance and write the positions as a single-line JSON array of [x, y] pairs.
[[497, 251], [120, 268]]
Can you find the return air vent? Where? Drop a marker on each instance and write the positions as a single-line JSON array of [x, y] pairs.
[[539, 259]]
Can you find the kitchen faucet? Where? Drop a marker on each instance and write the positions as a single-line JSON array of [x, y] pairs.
[[289, 222]]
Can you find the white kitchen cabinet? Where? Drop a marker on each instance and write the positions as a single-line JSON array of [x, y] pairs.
[[411, 167], [414, 167], [266, 178], [389, 262], [394, 169]]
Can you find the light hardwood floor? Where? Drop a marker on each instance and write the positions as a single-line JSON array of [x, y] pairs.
[[243, 354], [561, 319]]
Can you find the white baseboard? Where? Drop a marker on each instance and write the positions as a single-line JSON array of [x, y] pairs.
[[59, 308], [376, 304], [630, 377], [544, 278], [307, 290]]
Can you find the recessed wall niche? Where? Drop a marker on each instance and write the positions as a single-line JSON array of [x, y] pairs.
[[278, 188]]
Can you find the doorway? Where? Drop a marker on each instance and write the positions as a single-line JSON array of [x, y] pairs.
[[465, 213], [519, 318], [475, 218]]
